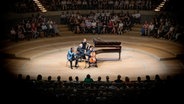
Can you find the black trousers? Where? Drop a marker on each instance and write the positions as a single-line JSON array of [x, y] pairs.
[[76, 63]]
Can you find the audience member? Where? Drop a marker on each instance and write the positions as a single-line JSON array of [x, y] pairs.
[[88, 79]]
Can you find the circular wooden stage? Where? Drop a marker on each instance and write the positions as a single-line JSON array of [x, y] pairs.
[[140, 56]]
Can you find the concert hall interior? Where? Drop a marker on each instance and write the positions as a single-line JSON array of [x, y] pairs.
[[139, 41]]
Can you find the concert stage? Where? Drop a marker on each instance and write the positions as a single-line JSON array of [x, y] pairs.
[[140, 56]]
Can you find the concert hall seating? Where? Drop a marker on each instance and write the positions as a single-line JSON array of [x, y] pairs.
[[76, 92], [102, 46]]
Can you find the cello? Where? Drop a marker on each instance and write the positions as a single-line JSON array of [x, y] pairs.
[[92, 58]]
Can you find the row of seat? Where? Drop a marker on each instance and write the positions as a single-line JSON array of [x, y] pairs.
[[103, 92]]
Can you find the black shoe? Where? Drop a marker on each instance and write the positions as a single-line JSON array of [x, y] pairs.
[[76, 66], [71, 68]]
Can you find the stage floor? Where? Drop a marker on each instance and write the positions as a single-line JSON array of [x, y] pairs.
[[135, 61], [132, 64]]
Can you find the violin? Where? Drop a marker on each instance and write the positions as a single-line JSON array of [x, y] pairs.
[[93, 57]]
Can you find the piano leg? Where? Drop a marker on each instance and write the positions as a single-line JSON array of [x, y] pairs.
[[119, 55]]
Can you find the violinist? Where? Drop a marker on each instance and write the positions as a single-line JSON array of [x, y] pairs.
[[71, 56], [85, 46], [80, 52]]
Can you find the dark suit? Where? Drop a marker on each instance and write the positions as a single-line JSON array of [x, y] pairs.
[[80, 53], [88, 53], [84, 45]]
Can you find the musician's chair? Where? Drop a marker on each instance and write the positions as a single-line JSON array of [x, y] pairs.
[[82, 64]]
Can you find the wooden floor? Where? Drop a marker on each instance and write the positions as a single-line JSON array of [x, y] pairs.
[[140, 56]]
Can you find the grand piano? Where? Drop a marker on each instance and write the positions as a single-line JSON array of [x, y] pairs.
[[101, 46]]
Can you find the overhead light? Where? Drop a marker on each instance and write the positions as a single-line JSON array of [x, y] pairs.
[[40, 6], [158, 7], [157, 10], [43, 10], [161, 6]]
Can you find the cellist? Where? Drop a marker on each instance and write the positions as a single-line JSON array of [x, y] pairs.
[[92, 58]]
